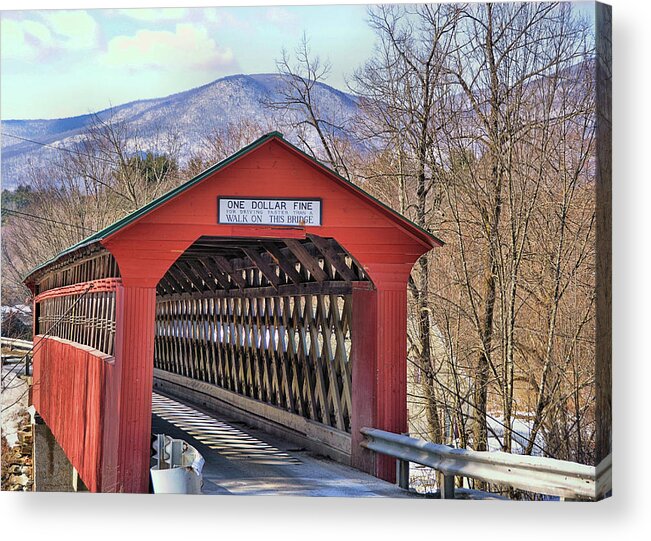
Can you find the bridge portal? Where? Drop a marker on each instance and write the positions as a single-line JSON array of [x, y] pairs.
[[267, 286]]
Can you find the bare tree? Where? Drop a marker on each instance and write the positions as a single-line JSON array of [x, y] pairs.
[[223, 141], [404, 90], [479, 120], [105, 176], [509, 63], [319, 130]]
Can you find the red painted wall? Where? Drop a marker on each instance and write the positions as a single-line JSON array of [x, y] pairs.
[[69, 393], [134, 357]]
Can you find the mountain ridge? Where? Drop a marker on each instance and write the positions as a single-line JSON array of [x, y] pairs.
[[191, 114]]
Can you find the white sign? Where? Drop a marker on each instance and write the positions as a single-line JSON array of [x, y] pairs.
[[266, 211]]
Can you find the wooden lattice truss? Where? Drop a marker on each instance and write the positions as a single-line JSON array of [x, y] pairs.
[[266, 319]]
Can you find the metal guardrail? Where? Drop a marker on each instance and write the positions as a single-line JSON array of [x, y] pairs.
[[535, 474], [15, 344], [22, 346]]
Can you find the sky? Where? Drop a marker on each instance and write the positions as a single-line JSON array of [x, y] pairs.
[[60, 63], [66, 62]]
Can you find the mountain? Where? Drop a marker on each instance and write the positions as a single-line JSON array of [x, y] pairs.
[[191, 114]]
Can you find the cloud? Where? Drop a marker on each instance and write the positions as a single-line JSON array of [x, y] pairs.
[[151, 15], [222, 17], [280, 16], [189, 46], [30, 39], [23, 40], [74, 29]]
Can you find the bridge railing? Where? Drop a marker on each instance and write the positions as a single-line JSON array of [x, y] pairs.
[[540, 475]]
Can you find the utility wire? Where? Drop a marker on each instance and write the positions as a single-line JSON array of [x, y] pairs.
[[12, 370], [45, 335], [35, 217], [444, 387], [63, 149], [71, 151]]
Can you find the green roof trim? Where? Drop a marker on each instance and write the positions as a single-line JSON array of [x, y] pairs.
[[126, 220]]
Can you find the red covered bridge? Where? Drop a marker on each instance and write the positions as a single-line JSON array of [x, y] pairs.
[[268, 283]]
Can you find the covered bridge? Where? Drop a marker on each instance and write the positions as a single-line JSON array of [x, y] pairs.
[[268, 282]]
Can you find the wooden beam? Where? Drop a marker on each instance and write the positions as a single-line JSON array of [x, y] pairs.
[[178, 287], [284, 290], [214, 272], [185, 283], [283, 262], [165, 285], [331, 255], [309, 262], [226, 267], [195, 276], [264, 267]]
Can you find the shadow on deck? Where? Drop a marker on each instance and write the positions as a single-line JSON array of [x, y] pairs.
[[243, 460]]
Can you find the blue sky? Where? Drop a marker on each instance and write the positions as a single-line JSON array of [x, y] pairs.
[[58, 63]]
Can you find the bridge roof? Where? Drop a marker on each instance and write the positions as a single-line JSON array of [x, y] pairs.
[[422, 235]]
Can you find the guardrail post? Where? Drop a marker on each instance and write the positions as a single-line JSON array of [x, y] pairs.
[[446, 486], [402, 470], [402, 473]]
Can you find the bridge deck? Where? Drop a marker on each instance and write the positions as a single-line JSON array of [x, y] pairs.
[[242, 460]]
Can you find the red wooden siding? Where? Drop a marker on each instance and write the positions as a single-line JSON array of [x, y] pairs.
[[364, 389], [69, 394], [379, 356], [134, 356], [146, 248]]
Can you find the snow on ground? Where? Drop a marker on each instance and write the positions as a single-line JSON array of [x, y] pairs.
[[14, 397], [20, 308], [521, 430], [423, 479]]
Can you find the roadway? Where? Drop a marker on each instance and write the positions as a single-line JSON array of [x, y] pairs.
[[243, 460]]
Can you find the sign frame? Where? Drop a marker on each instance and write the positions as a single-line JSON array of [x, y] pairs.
[[264, 224]]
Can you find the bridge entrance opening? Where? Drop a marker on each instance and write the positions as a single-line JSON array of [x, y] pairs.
[[261, 328], [268, 286]]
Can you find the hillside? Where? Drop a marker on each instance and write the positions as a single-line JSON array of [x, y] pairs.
[[191, 114]]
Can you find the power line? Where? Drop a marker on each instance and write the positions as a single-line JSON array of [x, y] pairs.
[[63, 149], [15, 401], [45, 335], [26, 214]]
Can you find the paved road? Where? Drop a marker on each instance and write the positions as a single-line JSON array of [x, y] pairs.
[[245, 461]]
